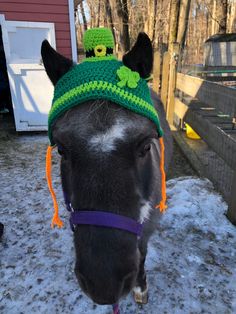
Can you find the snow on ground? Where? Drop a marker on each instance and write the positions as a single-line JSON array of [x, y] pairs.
[[191, 263]]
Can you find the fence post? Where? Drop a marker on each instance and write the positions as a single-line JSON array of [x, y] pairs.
[[231, 213], [165, 78], [174, 53], [156, 71]]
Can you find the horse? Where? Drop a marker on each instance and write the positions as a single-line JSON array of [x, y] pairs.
[[110, 161]]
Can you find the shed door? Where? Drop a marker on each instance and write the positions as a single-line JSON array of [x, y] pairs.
[[31, 90]]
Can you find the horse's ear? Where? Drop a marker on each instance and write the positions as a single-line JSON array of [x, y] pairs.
[[140, 57], [55, 64]]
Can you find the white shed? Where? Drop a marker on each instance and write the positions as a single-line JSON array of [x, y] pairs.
[[24, 24]]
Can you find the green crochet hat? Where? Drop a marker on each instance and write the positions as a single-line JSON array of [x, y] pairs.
[[101, 76]]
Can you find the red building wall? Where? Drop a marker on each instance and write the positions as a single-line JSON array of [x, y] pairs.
[[52, 11]]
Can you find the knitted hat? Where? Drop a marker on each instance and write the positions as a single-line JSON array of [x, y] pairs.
[[102, 76]]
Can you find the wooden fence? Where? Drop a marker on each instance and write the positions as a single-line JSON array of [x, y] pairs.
[[210, 109]]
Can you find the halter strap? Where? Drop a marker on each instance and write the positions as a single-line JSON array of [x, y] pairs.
[[102, 219], [105, 219]]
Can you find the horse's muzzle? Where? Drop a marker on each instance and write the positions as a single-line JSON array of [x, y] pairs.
[[107, 293]]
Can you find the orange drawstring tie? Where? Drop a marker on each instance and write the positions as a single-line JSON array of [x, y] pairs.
[[162, 206], [56, 219]]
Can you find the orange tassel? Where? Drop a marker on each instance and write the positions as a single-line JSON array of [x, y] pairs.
[[162, 204], [56, 219]]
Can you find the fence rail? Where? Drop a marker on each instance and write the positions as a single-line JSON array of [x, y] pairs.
[[209, 108], [215, 95]]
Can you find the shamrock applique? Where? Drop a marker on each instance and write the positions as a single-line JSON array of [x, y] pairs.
[[127, 77]]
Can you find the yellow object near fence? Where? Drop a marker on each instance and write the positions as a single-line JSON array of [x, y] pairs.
[[191, 133]]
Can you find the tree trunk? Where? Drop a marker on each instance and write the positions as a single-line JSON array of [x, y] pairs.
[[83, 16], [76, 4], [174, 17], [214, 18], [154, 23], [149, 17], [120, 15], [219, 17], [79, 33], [103, 17], [231, 18], [122, 6], [98, 14], [110, 18], [145, 14], [222, 6], [183, 22]]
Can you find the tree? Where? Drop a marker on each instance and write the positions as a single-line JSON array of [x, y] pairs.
[[218, 12], [109, 16], [150, 22], [76, 4], [83, 16], [174, 17], [154, 21], [120, 14], [231, 21], [99, 14], [183, 22], [222, 14]]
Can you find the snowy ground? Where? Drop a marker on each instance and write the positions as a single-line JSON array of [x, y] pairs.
[[191, 264]]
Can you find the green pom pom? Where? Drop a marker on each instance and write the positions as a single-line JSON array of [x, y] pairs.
[[127, 77], [96, 37]]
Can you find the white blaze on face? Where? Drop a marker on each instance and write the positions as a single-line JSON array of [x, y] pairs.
[[145, 212], [106, 141]]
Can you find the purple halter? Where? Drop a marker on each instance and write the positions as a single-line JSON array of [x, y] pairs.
[[105, 219], [102, 219]]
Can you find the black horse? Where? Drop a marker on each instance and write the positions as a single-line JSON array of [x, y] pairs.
[[110, 161]]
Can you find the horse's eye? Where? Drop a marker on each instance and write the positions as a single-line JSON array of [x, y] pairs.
[[144, 149]]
